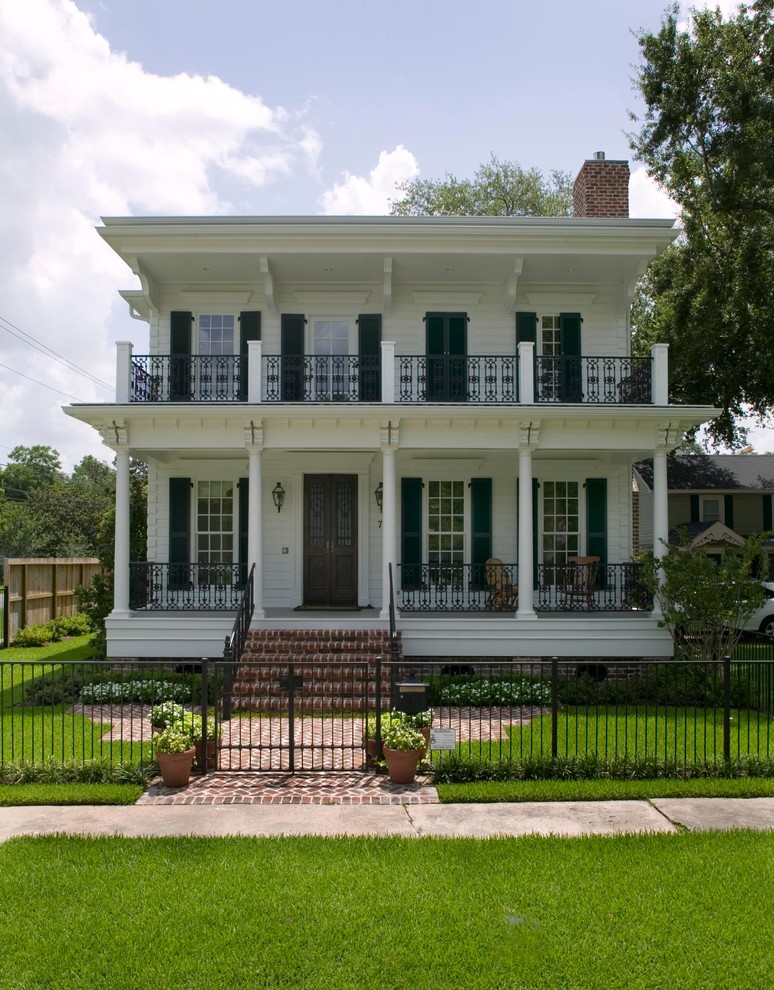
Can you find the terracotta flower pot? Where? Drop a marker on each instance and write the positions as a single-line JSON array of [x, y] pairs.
[[212, 754], [402, 764], [176, 767]]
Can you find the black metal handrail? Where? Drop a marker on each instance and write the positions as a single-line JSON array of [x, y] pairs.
[[609, 588], [155, 587], [451, 378], [235, 641], [616, 380], [450, 587], [188, 378], [322, 378]]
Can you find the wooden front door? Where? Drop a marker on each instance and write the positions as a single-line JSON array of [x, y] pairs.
[[330, 539]]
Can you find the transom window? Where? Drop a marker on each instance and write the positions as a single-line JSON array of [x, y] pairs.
[[446, 522], [561, 522], [215, 523], [216, 334]]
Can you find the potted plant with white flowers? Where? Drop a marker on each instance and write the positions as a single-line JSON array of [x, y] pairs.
[[404, 748], [174, 752]]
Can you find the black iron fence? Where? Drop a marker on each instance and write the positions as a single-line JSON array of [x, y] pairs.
[[189, 587], [276, 715], [452, 378], [455, 587], [621, 380], [188, 378], [322, 378]]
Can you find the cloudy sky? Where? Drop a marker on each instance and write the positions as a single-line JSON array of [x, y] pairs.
[[110, 108]]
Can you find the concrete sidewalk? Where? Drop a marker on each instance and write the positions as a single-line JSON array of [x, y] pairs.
[[450, 820]]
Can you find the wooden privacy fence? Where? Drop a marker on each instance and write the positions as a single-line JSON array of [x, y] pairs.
[[42, 588]]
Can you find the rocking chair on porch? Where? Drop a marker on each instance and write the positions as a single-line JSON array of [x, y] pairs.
[[502, 592], [579, 581]]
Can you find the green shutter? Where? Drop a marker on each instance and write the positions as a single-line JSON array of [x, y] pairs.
[[249, 329], [526, 328], [180, 333], [695, 510], [292, 346], [571, 366], [179, 531], [767, 527], [728, 510], [411, 532], [244, 513], [481, 514], [535, 527], [370, 356], [596, 523]]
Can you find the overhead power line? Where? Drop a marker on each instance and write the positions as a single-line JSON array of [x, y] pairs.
[[49, 387], [32, 341]]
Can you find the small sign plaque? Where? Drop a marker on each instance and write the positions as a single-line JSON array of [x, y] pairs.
[[443, 739]]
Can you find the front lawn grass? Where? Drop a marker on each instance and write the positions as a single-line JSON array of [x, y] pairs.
[[35, 735], [22, 795], [490, 791], [688, 910], [15, 672]]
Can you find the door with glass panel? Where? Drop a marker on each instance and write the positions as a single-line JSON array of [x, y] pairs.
[[330, 539]]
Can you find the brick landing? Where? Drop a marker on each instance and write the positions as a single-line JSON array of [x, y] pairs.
[[357, 787]]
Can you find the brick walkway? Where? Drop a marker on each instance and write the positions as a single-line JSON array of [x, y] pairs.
[[356, 787]]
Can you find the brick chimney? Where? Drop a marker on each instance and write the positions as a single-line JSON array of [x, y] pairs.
[[602, 188]]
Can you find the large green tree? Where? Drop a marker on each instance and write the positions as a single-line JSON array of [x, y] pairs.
[[498, 188], [707, 136]]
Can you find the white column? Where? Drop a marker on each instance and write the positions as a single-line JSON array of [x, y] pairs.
[[123, 370], [660, 513], [254, 361], [526, 350], [389, 528], [121, 558], [388, 371], [659, 384], [526, 609], [255, 529]]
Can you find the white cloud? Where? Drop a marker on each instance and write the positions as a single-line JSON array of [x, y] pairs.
[[647, 200], [728, 8], [371, 196], [87, 132]]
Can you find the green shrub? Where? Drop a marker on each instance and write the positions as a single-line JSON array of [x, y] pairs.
[[54, 771], [38, 635], [72, 625], [457, 768], [60, 686], [480, 691], [144, 690]]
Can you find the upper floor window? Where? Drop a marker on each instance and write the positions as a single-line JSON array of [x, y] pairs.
[[216, 333], [331, 336], [550, 336], [711, 509]]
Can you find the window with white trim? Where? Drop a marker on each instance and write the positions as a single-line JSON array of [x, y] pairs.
[[217, 333], [214, 526], [561, 521], [711, 508], [446, 522]]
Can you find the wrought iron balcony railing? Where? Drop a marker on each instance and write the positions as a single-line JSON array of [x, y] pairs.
[[446, 378], [186, 587], [605, 588], [617, 380], [322, 378], [454, 587], [188, 378]]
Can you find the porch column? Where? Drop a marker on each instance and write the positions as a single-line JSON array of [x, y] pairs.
[[660, 513], [255, 530], [526, 351], [389, 514], [123, 370], [254, 438], [121, 558], [659, 356], [526, 609], [254, 360], [388, 371]]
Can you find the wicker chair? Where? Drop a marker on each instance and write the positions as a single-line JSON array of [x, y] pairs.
[[502, 593]]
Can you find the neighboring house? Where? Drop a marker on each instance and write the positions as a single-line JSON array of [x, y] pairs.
[[328, 396], [715, 499]]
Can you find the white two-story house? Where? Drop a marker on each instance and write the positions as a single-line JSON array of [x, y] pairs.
[[331, 400]]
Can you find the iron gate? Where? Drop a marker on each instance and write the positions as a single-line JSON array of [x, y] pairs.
[[292, 716]]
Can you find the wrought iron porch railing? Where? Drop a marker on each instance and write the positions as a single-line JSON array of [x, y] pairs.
[[157, 587], [448, 587], [611, 588], [616, 380], [188, 378], [446, 378], [322, 378]]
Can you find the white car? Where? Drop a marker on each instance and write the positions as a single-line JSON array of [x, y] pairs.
[[762, 619]]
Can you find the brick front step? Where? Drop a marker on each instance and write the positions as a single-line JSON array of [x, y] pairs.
[[335, 667]]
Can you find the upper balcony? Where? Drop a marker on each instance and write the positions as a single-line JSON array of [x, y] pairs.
[[522, 378]]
